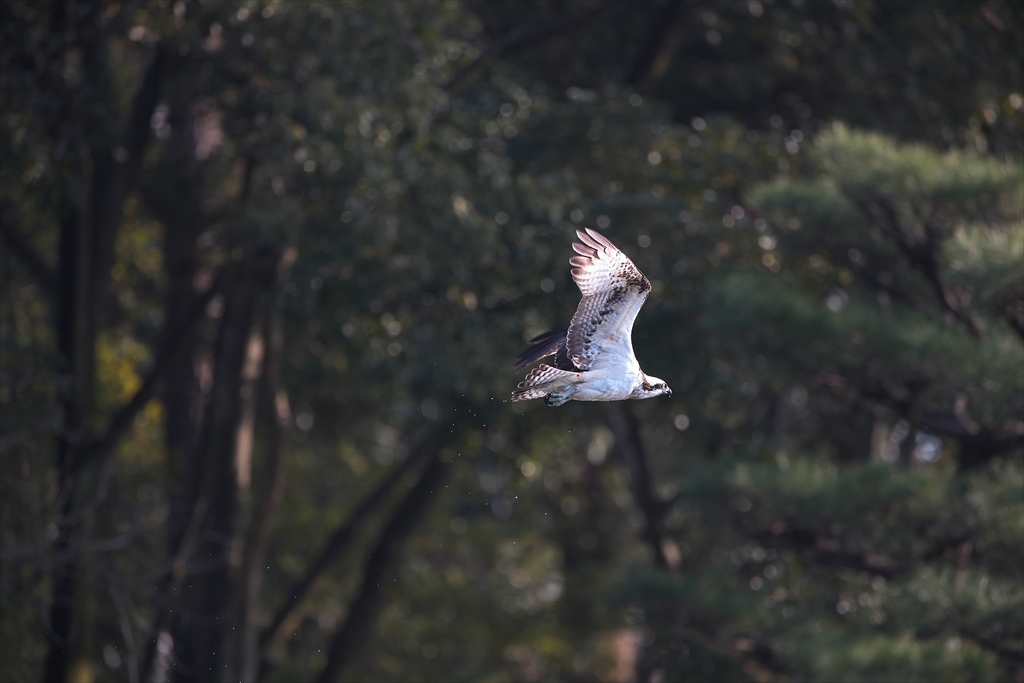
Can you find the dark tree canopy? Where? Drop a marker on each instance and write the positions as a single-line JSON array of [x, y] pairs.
[[265, 267]]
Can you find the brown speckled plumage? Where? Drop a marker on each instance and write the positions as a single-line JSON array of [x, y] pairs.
[[594, 358]]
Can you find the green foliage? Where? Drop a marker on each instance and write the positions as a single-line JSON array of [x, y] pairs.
[[885, 659], [837, 306]]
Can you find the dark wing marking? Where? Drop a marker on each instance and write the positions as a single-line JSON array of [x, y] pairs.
[[613, 291], [544, 345]]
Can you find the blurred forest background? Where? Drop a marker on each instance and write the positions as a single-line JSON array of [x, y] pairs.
[[265, 266]]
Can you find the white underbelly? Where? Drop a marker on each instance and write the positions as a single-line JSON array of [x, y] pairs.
[[603, 389], [614, 373]]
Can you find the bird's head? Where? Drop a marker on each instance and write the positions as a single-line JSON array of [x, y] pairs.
[[653, 386]]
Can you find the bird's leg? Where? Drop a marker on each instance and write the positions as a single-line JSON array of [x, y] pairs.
[[557, 398]]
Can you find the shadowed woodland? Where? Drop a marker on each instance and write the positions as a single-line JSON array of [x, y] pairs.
[[265, 267]]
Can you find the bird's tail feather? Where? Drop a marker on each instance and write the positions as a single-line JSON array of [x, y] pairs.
[[541, 381]]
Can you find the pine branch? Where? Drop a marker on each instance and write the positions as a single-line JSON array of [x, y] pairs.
[[922, 255], [824, 551], [846, 552], [1012, 311], [979, 445], [992, 645]]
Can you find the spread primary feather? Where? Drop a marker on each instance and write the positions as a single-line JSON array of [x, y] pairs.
[[594, 359]]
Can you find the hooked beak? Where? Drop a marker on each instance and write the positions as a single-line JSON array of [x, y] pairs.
[[668, 392]]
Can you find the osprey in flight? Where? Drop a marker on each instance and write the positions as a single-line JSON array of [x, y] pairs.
[[594, 358]]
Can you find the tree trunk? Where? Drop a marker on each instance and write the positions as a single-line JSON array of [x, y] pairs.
[[89, 216], [200, 633], [268, 491], [629, 442], [175, 199]]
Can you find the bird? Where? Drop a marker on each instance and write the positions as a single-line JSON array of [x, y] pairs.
[[594, 359]]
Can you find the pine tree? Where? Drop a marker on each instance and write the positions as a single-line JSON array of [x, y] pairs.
[[867, 521]]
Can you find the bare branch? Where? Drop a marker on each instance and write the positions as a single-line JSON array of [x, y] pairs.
[[139, 129], [127, 633], [40, 553], [342, 536], [379, 567], [629, 441], [123, 418], [666, 32]]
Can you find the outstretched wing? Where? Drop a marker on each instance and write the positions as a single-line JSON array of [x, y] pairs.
[[613, 291]]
